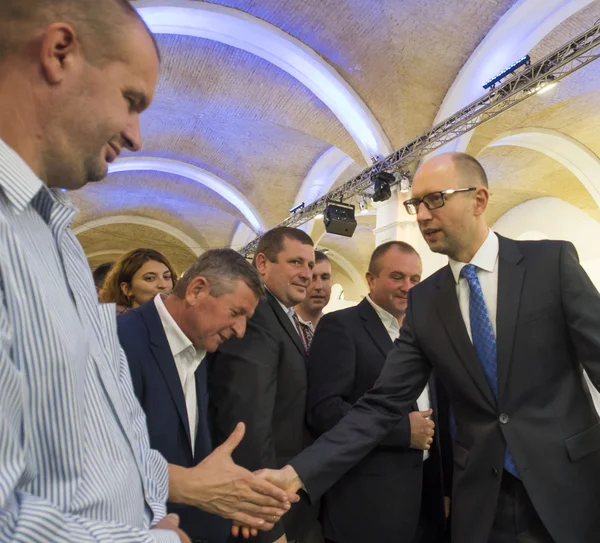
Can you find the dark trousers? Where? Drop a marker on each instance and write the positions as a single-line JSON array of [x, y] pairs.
[[428, 529], [516, 520]]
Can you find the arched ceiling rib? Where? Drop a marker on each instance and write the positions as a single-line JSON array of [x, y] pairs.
[[242, 30]]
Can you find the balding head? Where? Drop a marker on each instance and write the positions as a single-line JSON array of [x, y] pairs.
[[456, 169], [455, 187]]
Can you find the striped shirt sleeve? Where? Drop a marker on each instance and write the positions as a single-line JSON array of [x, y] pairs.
[[25, 518]]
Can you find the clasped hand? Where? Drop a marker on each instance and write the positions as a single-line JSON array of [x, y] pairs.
[[219, 486], [287, 479], [422, 429]]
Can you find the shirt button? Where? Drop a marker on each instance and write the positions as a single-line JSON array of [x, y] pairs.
[[494, 472], [503, 418]]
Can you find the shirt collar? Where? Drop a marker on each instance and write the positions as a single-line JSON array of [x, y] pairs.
[[386, 317], [178, 341], [289, 311], [20, 184], [485, 259], [301, 320]]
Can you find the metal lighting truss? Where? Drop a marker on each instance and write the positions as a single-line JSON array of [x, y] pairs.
[[557, 65]]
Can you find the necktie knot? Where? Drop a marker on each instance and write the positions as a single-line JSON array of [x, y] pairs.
[[469, 272]]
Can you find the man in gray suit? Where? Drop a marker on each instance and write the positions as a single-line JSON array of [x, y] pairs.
[[508, 327]]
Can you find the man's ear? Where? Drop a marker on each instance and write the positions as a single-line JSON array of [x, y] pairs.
[[198, 289], [370, 280], [481, 200], [261, 263], [60, 50]]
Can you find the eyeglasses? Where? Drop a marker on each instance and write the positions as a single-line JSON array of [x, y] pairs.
[[433, 200]]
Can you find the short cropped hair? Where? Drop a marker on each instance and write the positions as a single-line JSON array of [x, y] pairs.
[[271, 243], [379, 252], [222, 268], [100, 272], [100, 24], [470, 169], [320, 256]]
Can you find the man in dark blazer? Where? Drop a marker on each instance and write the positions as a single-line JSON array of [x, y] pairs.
[[260, 379], [527, 444], [165, 341], [395, 494]]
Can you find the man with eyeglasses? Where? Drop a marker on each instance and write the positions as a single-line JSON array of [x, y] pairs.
[[507, 326]]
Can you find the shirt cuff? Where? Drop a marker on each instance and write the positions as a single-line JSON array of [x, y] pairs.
[[164, 536]]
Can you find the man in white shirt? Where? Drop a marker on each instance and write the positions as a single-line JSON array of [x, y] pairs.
[[527, 443], [395, 494], [166, 341]]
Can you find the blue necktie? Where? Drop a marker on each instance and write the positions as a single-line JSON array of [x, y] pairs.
[[484, 342]]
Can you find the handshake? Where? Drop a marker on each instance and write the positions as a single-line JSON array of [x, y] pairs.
[[255, 501], [217, 485]]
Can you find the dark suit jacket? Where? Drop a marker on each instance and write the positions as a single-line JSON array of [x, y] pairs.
[[548, 327], [261, 380], [379, 499], [158, 388]]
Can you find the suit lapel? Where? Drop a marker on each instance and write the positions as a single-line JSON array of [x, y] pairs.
[[377, 331], [510, 281], [161, 351], [375, 327], [451, 317], [285, 321]]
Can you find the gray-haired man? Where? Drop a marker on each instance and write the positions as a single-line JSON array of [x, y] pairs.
[[166, 341]]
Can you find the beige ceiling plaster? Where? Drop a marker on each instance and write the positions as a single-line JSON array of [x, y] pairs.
[[134, 236], [395, 55], [140, 221], [256, 36], [517, 175], [570, 153], [195, 210], [198, 175]]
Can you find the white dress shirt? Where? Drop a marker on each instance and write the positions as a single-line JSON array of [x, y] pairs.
[[486, 260], [187, 359], [393, 329]]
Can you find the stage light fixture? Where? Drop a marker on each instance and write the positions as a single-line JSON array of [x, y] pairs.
[[339, 219], [525, 61], [381, 186]]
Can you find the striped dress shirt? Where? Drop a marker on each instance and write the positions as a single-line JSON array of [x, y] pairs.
[[75, 460]]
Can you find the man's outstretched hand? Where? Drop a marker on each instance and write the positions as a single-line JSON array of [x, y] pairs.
[[285, 478], [219, 486]]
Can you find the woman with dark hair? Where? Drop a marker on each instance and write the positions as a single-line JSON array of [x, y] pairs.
[[137, 277]]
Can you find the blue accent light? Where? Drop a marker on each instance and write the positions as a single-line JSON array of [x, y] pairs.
[[525, 61]]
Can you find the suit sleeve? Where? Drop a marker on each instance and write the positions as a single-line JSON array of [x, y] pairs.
[[581, 306], [331, 375], [128, 344], [243, 388], [371, 419], [444, 435]]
